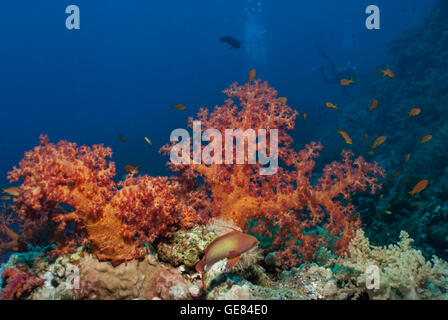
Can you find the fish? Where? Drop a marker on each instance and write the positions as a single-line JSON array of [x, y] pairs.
[[419, 187], [395, 174], [5, 198], [371, 153], [366, 137], [426, 139], [407, 158], [130, 168], [283, 100], [388, 212], [346, 137], [180, 107], [12, 191], [346, 82], [388, 73], [122, 138], [148, 141], [230, 245], [378, 141], [252, 75], [331, 106], [373, 105], [231, 41], [414, 112], [305, 116]]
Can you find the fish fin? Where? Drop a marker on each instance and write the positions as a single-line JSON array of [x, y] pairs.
[[232, 261], [203, 282]]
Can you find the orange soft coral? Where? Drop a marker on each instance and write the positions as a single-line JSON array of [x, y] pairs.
[[114, 223], [287, 200]]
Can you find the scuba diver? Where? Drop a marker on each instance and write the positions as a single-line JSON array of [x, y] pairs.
[[348, 71]]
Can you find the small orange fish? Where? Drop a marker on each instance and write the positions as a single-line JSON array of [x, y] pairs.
[[5, 198], [252, 75], [373, 105], [122, 138], [130, 168], [346, 137], [379, 141], [346, 82], [395, 174], [366, 137], [230, 245], [419, 187], [283, 100], [414, 112], [331, 106], [179, 107], [407, 158], [305, 116], [12, 191], [426, 139], [388, 73]]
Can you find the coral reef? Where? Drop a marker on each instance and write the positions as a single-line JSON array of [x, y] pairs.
[[72, 187], [290, 203], [403, 271], [18, 283]]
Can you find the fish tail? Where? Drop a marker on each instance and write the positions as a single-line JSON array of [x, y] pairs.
[[203, 282]]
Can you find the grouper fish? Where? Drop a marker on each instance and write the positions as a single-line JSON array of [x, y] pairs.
[[230, 245]]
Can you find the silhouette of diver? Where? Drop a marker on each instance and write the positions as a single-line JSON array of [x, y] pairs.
[[231, 41], [347, 72]]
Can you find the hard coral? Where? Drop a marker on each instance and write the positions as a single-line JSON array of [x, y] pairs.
[[287, 200], [114, 223]]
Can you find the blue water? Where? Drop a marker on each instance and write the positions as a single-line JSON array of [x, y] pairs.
[[132, 60]]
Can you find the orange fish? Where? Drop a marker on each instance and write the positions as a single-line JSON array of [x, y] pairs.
[[283, 100], [230, 245], [426, 139], [419, 187], [304, 116], [331, 106], [252, 75], [388, 73], [407, 158], [373, 105], [346, 82], [414, 112], [379, 141], [395, 175], [5, 198], [12, 191], [130, 168], [346, 137], [366, 137], [179, 107]]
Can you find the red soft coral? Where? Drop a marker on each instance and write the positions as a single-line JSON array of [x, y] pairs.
[[18, 283], [287, 200], [58, 175]]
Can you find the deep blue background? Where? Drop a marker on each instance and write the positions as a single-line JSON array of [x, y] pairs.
[[132, 60]]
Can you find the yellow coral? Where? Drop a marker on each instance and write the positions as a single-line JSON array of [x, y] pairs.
[[403, 271]]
